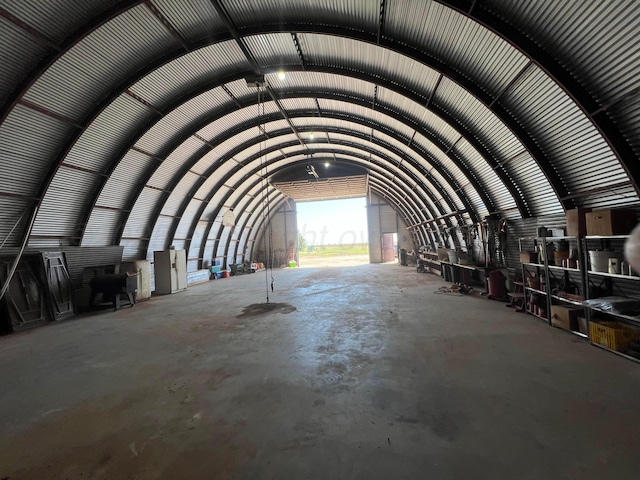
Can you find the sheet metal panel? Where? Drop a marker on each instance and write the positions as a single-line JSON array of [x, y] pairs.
[[273, 51], [100, 228], [11, 211], [53, 18], [159, 240], [348, 54], [592, 48], [100, 61], [362, 15], [187, 218], [125, 179], [195, 245], [564, 135], [627, 116], [188, 72], [139, 216], [16, 63], [181, 190], [164, 132], [29, 143], [194, 19], [64, 203], [219, 126], [108, 135]]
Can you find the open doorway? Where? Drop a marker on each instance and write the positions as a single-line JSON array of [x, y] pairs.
[[389, 247], [333, 232]]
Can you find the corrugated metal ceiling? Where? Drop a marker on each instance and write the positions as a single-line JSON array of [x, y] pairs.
[[458, 105]]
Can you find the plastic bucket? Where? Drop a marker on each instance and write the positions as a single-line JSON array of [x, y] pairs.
[[599, 260]]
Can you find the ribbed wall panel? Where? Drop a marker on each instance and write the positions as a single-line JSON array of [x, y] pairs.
[[435, 156], [64, 203], [589, 49], [223, 236], [108, 135], [13, 212], [214, 203], [624, 197], [29, 143], [165, 175], [16, 63], [194, 247], [178, 244], [323, 83], [189, 72], [165, 132], [465, 45], [362, 15], [101, 223], [208, 251], [187, 218], [563, 135], [330, 122], [125, 179], [194, 19], [215, 179], [139, 216], [47, 19], [204, 105], [179, 193], [333, 51], [300, 103], [273, 51], [134, 250], [222, 124], [159, 239], [98, 63], [207, 161], [627, 115]]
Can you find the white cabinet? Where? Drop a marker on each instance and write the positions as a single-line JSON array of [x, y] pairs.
[[170, 268], [143, 269]]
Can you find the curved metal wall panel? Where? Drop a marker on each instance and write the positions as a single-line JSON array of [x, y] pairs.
[[157, 242], [123, 181], [165, 132], [95, 66], [353, 55], [46, 16], [186, 220], [108, 135], [58, 215], [461, 43], [273, 51], [139, 217], [28, 142], [190, 71], [627, 114], [592, 47], [101, 221], [179, 193], [363, 15], [562, 136], [194, 19], [16, 63]]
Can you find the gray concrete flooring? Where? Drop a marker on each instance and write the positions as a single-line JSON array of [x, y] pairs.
[[373, 376]]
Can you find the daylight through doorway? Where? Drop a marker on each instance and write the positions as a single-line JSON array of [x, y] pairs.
[[333, 233]]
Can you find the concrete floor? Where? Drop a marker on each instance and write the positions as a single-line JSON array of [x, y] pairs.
[[373, 376]]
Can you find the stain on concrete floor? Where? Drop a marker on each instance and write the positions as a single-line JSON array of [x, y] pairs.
[[258, 309]]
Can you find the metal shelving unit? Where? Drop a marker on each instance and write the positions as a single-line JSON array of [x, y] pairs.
[[563, 285], [604, 333]]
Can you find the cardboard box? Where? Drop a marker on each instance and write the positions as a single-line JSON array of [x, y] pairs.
[[576, 222], [565, 317], [611, 222], [528, 257]]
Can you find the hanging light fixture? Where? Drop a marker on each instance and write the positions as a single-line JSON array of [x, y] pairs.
[[229, 218]]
